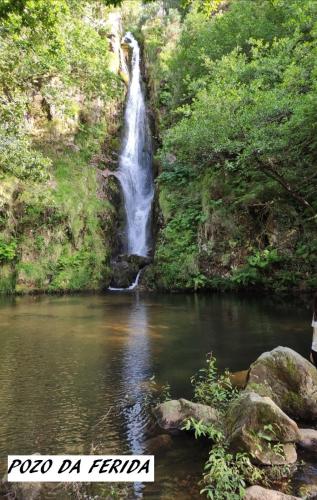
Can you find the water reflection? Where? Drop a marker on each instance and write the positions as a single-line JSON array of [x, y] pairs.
[[67, 362], [136, 368]]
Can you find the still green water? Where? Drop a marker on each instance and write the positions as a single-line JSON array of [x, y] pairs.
[[74, 370]]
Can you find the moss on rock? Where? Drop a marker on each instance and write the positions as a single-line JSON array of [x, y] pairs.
[[289, 379]]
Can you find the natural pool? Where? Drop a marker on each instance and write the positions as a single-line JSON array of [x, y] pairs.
[[74, 369]]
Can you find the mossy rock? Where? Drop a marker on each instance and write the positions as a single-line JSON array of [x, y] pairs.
[[289, 379], [255, 424], [171, 414], [125, 269]]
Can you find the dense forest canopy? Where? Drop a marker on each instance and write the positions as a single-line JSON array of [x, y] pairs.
[[237, 92], [60, 94], [39, 41]]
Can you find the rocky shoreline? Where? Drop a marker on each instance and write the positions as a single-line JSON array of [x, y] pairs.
[[267, 419]]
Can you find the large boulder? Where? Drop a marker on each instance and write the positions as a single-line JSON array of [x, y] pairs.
[[255, 424], [171, 414], [122, 274], [289, 379], [125, 269], [259, 493]]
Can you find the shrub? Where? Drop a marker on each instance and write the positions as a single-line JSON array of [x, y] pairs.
[[7, 250]]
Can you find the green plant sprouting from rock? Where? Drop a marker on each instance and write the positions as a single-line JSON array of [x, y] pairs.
[[227, 473], [210, 388]]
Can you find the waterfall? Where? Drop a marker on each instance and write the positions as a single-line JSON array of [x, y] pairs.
[[135, 163], [131, 287]]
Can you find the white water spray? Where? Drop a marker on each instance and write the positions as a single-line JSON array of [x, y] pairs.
[[135, 164]]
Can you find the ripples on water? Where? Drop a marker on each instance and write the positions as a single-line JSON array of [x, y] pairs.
[[73, 369]]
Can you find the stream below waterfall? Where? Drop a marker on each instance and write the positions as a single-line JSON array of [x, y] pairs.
[[74, 371]]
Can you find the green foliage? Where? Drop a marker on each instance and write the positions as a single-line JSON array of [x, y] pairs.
[[7, 279], [264, 259], [74, 272], [177, 251], [257, 264], [202, 430], [156, 393], [204, 38], [55, 49], [61, 230], [227, 474], [57, 91], [160, 34], [267, 440], [19, 159], [7, 250], [178, 175], [213, 389], [83, 261], [237, 109]]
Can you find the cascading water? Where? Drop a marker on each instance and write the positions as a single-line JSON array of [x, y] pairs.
[[135, 164]]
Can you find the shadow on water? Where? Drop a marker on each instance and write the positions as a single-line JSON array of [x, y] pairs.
[[72, 369]]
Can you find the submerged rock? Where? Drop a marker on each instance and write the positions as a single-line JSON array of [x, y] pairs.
[[289, 379], [171, 414], [308, 439], [158, 443], [259, 493], [255, 423]]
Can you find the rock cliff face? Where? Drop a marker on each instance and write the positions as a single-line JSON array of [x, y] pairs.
[[57, 232]]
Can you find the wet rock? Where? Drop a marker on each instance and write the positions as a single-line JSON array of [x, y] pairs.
[[259, 493], [125, 269], [171, 414], [136, 260], [289, 379], [249, 418], [158, 443], [122, 274], [308, 439]]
